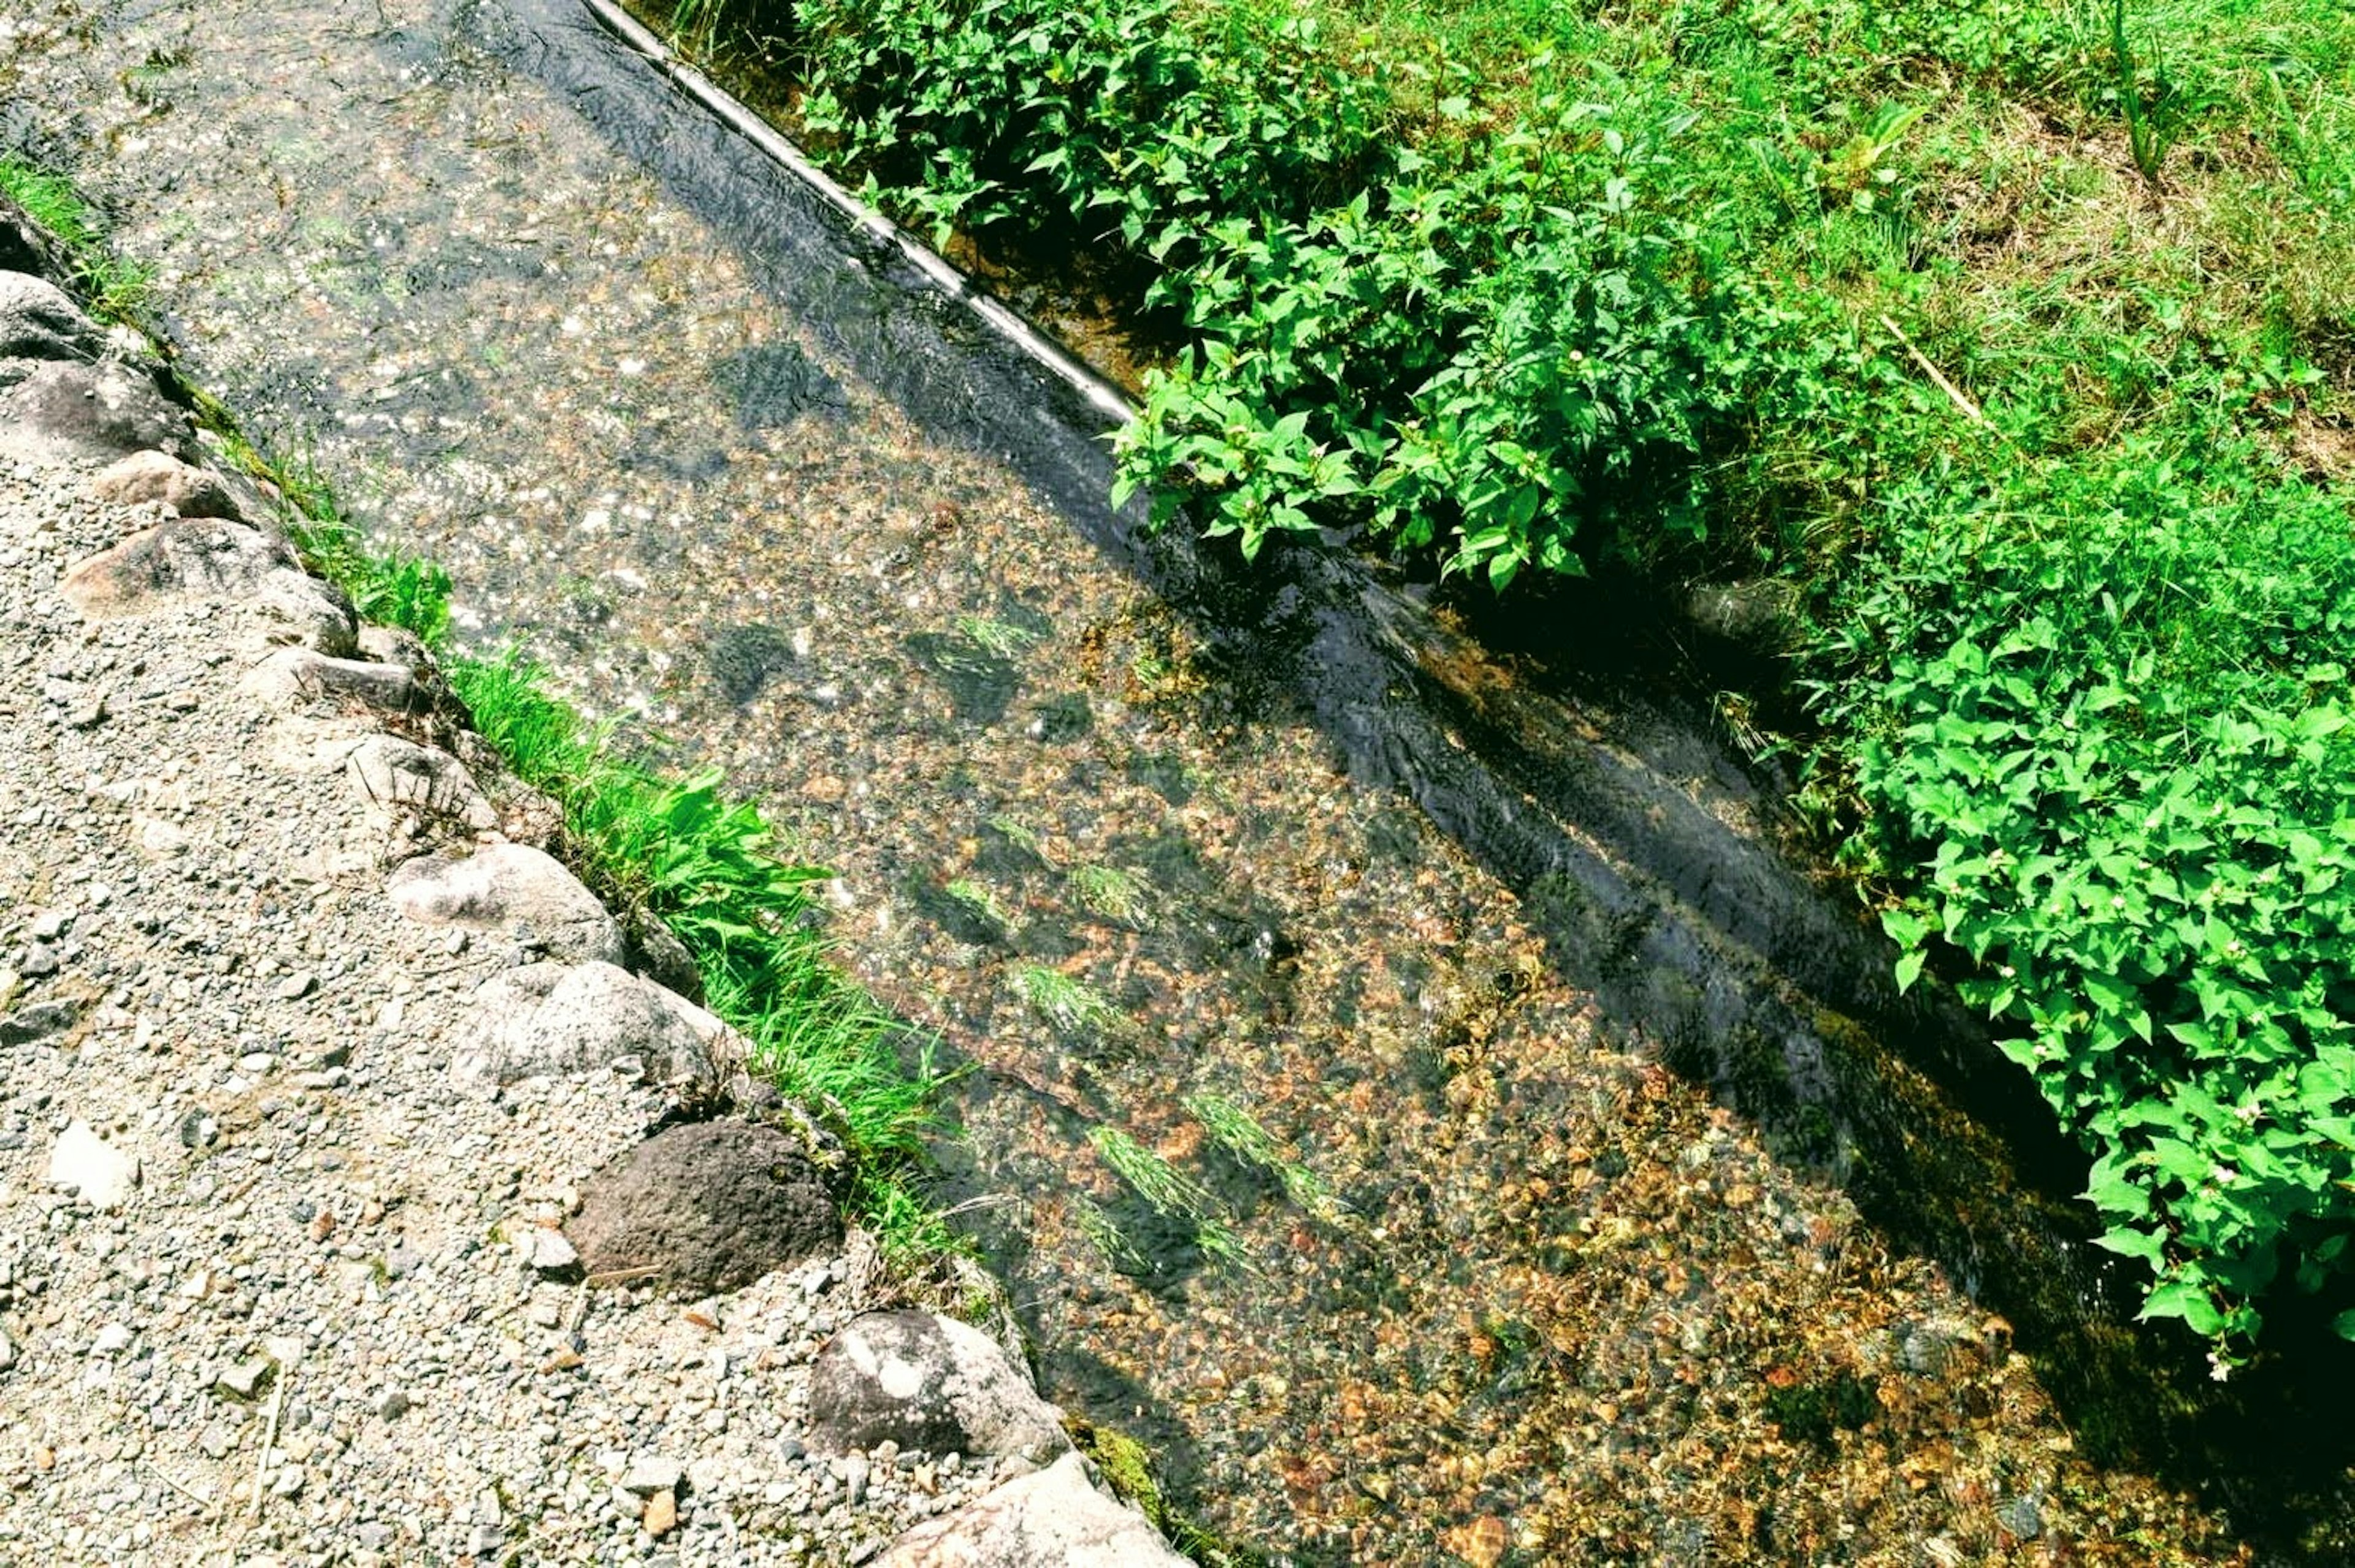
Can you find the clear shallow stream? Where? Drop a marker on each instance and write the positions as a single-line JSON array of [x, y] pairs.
[[1613, 1211]]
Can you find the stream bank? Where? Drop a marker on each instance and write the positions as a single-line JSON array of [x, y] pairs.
[[1150, 842]]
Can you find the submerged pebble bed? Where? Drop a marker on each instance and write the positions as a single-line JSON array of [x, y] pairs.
[[1495, 1287]]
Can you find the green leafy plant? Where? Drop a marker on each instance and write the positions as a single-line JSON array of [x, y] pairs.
[[115, 289], [2147, 131], [1115, 894]]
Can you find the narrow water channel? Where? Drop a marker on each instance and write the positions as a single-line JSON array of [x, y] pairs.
[[1551, 1176]]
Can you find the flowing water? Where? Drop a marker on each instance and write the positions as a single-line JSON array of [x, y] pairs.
[[1407, 1092]]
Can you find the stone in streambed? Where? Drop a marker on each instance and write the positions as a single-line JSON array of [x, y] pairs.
[[1048, 1518], [505, 887], [707, 1206], [932, 1382]]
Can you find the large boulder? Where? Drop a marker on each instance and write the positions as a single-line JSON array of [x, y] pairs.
[[179, 487], [291, 677], [706, 1207], [509, 888], [24, 245], [39, 320], [393, 775], [932, 1382], [543, 1018], [209, 558], [1047, 1518], [68, 411]]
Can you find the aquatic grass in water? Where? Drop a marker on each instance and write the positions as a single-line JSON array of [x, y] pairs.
[[1115, 894], [979, 901], [1234, 1129], [1002, 638], [1169, 1190], [1070, 1004]]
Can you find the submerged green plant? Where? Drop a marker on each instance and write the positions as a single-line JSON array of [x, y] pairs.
[[1170, 1191], [977, 899], [1114, 893], [1070, 1004], [1234, 1129], [1156, 1180], [1002, 638]]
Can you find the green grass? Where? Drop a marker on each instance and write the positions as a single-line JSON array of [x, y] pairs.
[[1167, 1189], [1234, 1129], [2019, 339], [114, 289], [1113, 894], [1070, 1004]]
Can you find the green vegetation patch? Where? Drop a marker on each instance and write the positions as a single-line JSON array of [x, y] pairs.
[[114, 289]]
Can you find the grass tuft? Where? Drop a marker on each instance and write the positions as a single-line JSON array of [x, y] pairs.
[[114, 289]]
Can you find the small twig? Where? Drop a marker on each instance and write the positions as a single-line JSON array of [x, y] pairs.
[[617, 1275], [1960, 400], [270, 1436], [203, 1502]]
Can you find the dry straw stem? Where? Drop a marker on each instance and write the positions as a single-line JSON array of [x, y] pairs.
[[1960, 400]]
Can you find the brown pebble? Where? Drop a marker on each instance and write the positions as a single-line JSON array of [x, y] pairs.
[[662, 1514]]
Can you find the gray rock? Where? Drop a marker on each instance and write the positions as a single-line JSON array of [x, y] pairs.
[[24, 245], [395, 774], [297, 674], [1048, 1518], [2022, 1516], [651, 1473], [505, 887], [394, 645], [707, 1206], [546, 1019], [162, 478], [96, 1171], [656, 952], [41, 321], [68, 411], [550, 1253], [38, 1020], [246, 1379], [1758, 614], [206, 558], [927, 1381]]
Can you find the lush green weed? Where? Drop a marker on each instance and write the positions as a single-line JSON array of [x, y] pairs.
[[1235, 1130], [1113, 894], [114, 289]]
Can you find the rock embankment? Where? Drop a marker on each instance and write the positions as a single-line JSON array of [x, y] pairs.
[[348, 1213]]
